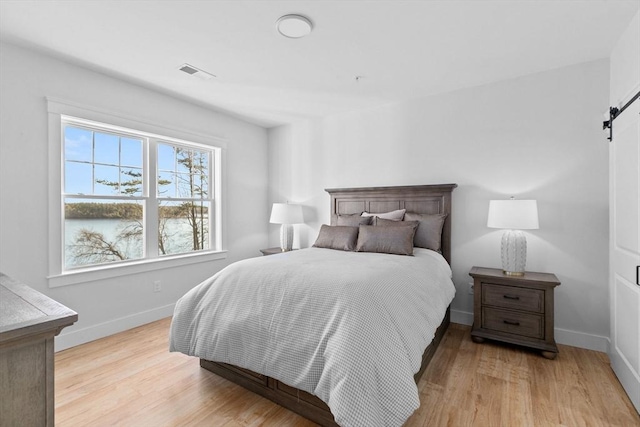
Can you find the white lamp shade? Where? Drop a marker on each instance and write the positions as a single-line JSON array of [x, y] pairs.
[[284, 213], [513, 214]]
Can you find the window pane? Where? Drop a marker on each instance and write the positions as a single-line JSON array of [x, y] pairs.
[[131, 152], [183, 227], [77, 178], [190, 172], [203, 160], [184, 160], [200, 186], [184, 185], [107, 149], [77, 144], [107, 180], [131, 181], [192, 161], [166, 184], [166, 158], [191, 186], [98, 232], [102, 174]]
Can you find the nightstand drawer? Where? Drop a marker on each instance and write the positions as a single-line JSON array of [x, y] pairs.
[[513, 297], [525, 324]]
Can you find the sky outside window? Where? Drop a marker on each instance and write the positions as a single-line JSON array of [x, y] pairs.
[[100, 163]]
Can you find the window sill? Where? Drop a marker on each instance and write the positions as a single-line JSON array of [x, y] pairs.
[[74, 277]]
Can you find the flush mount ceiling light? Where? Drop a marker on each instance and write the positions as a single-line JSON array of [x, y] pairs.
[[294, 26]]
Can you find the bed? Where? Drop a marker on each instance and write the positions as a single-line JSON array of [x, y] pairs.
[[363, 382]]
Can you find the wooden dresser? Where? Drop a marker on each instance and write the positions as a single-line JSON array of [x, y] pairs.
[[29, 321], [514, 309]]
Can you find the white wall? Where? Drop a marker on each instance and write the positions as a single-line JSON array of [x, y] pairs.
[[107, 306], [535, 137]]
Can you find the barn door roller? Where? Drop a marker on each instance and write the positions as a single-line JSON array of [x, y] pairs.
[[615, 112]]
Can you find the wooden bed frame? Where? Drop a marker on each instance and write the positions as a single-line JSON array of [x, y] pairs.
[[429, 199]]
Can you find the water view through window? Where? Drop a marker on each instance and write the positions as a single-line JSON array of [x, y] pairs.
[[107, 201]]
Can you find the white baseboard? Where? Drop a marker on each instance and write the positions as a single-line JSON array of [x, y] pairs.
[[462, 317], [91, 333], [582, 340], [627, 377], [563, 336]]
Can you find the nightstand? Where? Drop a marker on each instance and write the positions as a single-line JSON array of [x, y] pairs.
[[273, 251], [514, 309]]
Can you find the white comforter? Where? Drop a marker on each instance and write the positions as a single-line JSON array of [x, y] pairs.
[[348, 327]]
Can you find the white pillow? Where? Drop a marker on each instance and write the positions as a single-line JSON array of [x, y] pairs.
[[393, 215]]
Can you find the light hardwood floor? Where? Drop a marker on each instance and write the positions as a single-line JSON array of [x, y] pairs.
[[130, 379]]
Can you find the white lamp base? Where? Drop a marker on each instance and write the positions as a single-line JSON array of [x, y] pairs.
[[286, 237], [514, 252]]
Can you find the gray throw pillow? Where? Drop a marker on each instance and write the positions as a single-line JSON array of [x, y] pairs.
[[342, 238], [388, 240], [354, 220], [429, 232], [381, 222], [393, 215]]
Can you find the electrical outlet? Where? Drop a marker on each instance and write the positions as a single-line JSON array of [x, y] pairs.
[[470, 288], [157, 286]]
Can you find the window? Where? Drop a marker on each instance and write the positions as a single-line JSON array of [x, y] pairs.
[[183, 199], [130, 196]]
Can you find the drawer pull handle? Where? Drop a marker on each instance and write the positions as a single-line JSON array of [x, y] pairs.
[[514, 297], [511, 322]]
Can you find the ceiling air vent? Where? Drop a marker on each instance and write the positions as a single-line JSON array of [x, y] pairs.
[[194, 71]]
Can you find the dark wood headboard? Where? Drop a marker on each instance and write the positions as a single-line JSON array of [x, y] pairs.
[[427, 199]]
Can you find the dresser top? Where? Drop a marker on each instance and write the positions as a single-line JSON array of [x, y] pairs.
[[25, 311]]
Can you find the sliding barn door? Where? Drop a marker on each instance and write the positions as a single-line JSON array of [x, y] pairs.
[[624, 213], [625, 250]]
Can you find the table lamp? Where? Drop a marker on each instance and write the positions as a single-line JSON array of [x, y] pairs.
[[513, 215], [286, 214]]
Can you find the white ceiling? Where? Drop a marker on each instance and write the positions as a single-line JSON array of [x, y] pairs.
[[402, 49]]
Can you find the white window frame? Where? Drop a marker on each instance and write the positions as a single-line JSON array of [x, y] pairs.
[[62, 111]]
